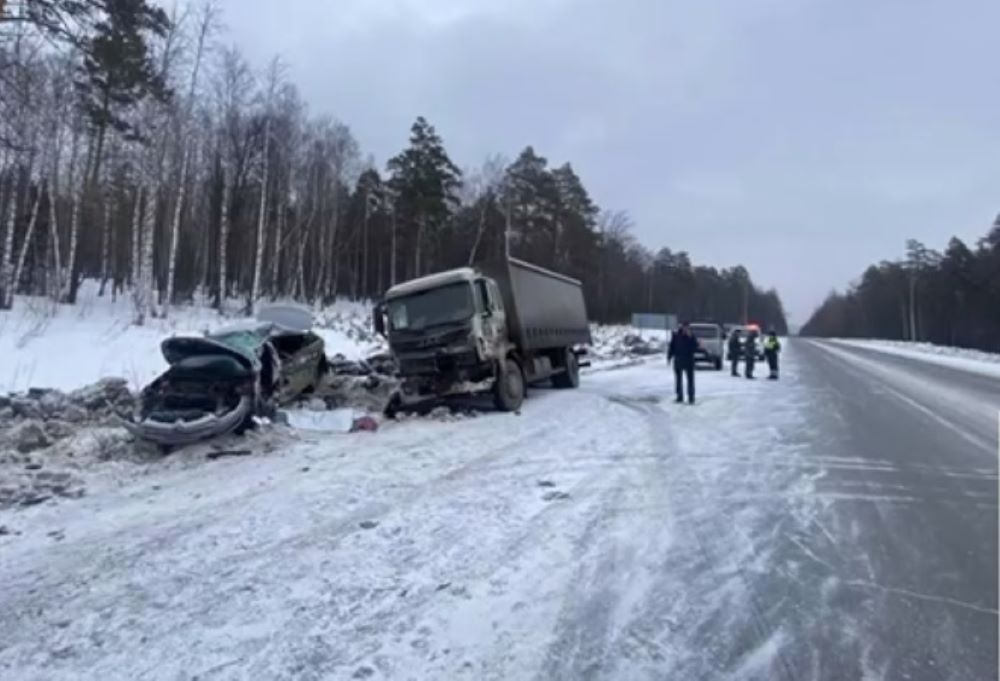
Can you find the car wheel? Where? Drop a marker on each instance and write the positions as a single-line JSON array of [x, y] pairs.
[[508, 391]]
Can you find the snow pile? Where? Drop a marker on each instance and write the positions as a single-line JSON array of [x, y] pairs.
[[975, 361], [46, 434], [617, 342], [45, 345]]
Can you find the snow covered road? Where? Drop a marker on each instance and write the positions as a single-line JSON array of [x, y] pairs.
[[774, 531]]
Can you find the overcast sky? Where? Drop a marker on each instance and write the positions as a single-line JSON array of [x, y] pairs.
[[802, 138]]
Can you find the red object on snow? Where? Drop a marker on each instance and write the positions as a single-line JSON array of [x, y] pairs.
[[364, 424]]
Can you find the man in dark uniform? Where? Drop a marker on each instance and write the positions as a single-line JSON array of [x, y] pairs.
[[683, 345], [750, 353], [734, 351], [772, 346]]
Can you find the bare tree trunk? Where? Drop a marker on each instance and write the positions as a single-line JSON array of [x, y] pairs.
[[136, 227], [223, 236], [6, 293], [276, 254], [143, 293], [28, 234], [364, 249], [479, 233], [175, 225], [416, 250], [392, 252], [204, 28], [54, 279], [261, 220], [105, 242], [300, 270], [74, 238]]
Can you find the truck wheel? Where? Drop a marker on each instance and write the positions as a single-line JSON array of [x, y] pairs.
[[508, 391], [570, 376], [718, 364]]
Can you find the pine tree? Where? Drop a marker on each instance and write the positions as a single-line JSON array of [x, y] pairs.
[[425, 181]]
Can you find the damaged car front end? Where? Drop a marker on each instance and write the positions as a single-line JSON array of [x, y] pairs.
[[217, 384], [210, 389]]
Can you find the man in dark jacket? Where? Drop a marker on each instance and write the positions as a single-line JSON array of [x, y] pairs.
[[683, 345], [750, 353], [734, 351]]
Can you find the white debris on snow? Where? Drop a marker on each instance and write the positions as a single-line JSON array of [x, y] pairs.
[[323, 421], [976, 361]]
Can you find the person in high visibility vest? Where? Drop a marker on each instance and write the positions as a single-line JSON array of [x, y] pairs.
[[772, 346]]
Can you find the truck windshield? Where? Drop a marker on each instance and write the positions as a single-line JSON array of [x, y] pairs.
[[442, 305], [705, 331]]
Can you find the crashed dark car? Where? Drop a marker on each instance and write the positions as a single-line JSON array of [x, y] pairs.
[[218, 383]]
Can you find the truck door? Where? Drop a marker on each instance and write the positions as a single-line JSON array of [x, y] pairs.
[[491, 312]]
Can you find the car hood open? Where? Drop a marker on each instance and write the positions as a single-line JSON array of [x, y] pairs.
[[180, 347]]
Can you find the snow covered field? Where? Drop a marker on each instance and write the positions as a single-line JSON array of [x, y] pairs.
[[976, 361], [552, 544]]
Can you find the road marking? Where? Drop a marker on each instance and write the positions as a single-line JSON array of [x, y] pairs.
[[921, 596], [850, 359]]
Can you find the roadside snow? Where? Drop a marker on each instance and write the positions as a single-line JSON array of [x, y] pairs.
[[45, 345], [597, 531], [985, 363]]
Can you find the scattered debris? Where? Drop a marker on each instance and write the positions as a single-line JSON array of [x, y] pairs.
[[219, 453], [368, 524], [364, 424], [555, 496], [27, 436], [443, 586], [546, 483]]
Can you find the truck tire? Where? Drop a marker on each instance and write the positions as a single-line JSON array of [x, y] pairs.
[[508, 391], [569, 377], [718, 364]]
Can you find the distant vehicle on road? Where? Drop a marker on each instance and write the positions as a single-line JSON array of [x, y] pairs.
[[711, 343], [489, 330]]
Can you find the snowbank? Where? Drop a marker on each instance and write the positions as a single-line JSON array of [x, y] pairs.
[[67, 346], [975, 361], [614, 342]]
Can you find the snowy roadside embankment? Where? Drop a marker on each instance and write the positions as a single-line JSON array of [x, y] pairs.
[[975, 361], [46, 345], [617, 346], [540, 545]]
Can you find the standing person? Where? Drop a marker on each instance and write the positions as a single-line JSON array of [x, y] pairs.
[[750, 353], [734, 351], [681, 352], [772, 346]]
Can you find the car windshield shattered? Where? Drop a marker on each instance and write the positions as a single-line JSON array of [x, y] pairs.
[[447, 304]]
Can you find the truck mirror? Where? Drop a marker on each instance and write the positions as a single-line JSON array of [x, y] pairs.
[[378, 319]]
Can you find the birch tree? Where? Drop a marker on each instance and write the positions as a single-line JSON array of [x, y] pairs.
[[207, 25]]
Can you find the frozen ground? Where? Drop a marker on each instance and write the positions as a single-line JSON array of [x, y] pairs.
[[44, 345], [816, 528], [959, 358]]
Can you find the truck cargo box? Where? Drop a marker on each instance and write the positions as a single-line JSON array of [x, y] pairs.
[[544, 309]]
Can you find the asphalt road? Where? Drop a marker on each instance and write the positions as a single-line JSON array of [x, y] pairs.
[[902, 577]]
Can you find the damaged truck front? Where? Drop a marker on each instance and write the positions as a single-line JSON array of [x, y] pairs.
[[492, 330]]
